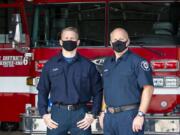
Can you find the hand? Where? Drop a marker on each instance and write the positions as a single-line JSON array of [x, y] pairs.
[[49, 122], [101, 119], [137, 123], [86, 122]]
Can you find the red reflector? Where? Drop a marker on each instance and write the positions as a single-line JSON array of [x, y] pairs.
[[171, 65], [158, 65], [40, 65]]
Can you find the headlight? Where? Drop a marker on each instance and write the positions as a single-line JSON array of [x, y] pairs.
[[158, 82], [168, 82], [171, 82], [165, 126]]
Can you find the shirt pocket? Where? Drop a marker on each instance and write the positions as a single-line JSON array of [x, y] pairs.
[[56, 77], [125, 74], [126, 77], [107, 80], [54, 74], [106, 74], [84, 81]]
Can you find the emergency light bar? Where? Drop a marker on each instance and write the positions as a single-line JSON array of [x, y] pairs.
[[165, 65]]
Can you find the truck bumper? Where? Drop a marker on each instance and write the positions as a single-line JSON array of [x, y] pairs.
[[154, 125]]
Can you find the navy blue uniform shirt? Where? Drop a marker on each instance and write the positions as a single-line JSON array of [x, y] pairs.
[[124, 79], [69, 83]]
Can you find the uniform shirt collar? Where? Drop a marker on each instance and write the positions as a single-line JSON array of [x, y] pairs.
[[61, 57], [123, 57]]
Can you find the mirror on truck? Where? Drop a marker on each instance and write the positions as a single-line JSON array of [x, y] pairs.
[[15, 30]]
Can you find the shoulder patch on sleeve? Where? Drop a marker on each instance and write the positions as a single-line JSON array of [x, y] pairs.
[[145, 65]]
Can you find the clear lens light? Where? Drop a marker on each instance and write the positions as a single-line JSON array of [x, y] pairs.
[[161, 126], [171, 82], [167, 126], [158, 82]]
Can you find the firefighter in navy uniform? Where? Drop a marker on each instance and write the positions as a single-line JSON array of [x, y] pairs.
[[72, 81], [128, 87]]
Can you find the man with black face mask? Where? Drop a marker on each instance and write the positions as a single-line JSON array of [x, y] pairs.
[[128, 88], [72, 81]]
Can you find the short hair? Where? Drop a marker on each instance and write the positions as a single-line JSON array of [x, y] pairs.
[[75, 30]]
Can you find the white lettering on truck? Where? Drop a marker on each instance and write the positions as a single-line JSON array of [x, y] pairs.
[[12, 61]]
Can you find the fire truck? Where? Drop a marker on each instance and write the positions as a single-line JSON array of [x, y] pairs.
[[29, 37]]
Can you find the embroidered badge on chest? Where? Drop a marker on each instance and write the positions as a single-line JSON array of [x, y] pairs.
[[145, 65], [106, 70], [55, 69]]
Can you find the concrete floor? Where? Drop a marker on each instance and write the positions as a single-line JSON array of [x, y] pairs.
[[11, 133]]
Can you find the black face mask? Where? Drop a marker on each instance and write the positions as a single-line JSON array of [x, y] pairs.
[[69, 45], [119, 46]]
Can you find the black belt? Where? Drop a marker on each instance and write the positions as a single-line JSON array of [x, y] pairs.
[[122, 108], [69, 107]]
